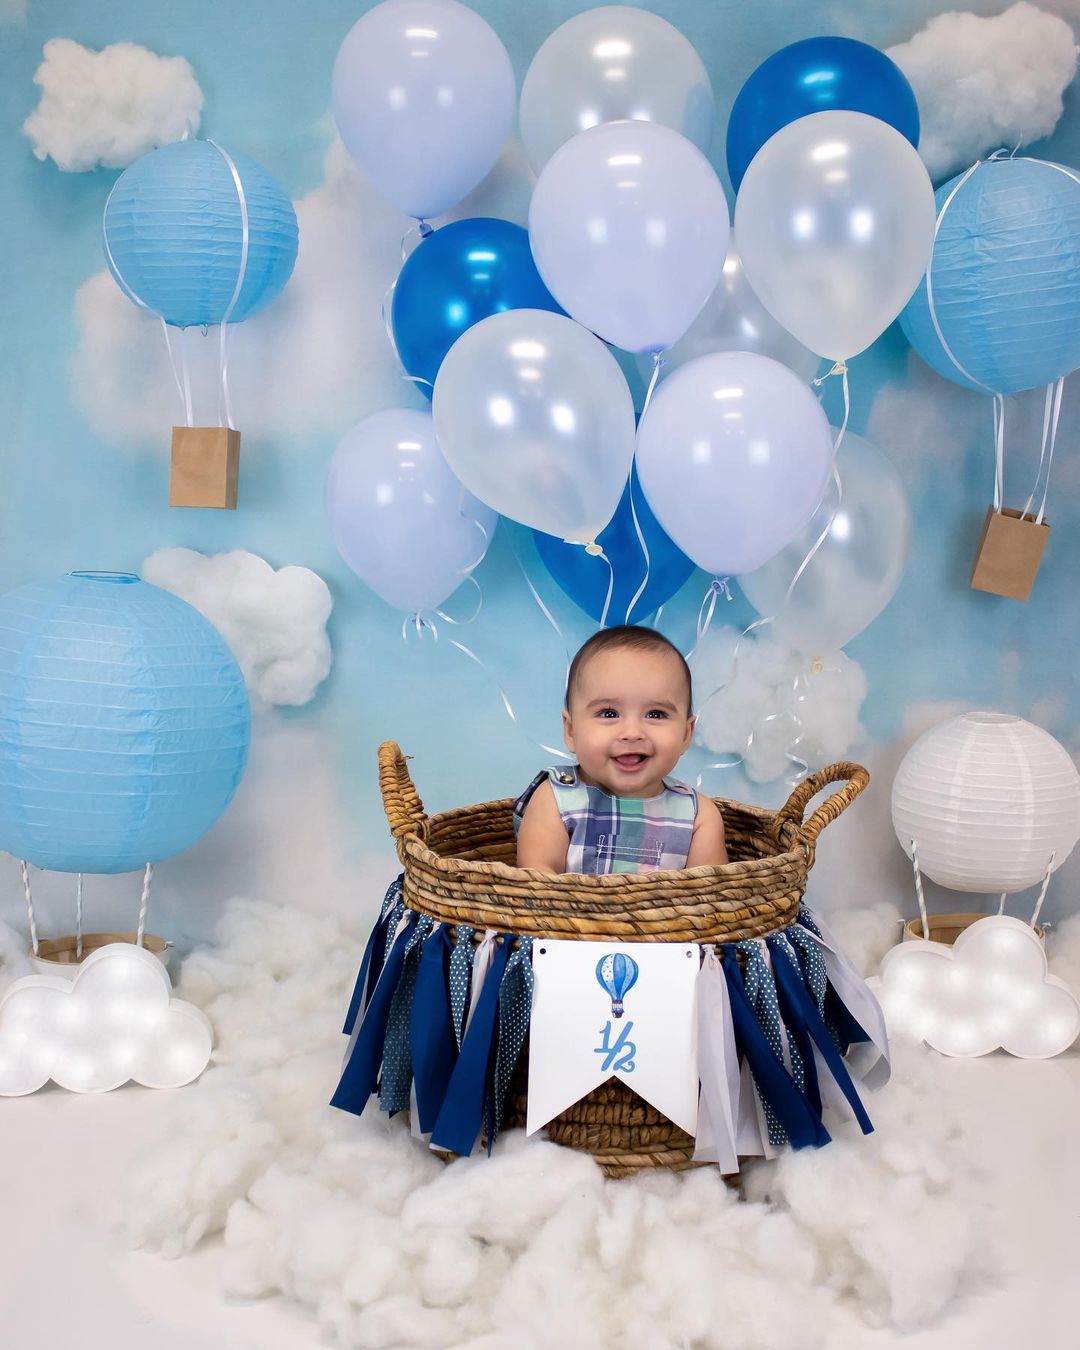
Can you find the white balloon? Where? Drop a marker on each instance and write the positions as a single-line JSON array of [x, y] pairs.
[[733, 454], [612, 64], [629, 229], [735, 320], [423, 95], [857, 567], [535, 417], [835, 222]]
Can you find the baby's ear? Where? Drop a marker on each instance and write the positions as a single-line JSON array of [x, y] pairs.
[[691, 723], [567, 731]]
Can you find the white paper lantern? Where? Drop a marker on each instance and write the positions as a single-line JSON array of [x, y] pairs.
[[987, 798]]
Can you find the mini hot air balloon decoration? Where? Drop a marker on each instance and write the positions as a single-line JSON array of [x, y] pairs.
[[616, 974]]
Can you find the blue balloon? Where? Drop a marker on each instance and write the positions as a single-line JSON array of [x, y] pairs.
[[585, 578], [465, 272], [174, 234], [1005, 279], [816, 75], [124, 723], [616, 973]]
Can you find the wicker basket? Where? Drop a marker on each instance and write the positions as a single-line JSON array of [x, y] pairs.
[[459, 869]]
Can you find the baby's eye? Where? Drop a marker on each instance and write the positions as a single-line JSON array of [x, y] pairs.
[[607, 713], [656, 712]]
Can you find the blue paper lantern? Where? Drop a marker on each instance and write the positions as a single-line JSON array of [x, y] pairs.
[[1004, 278], [174, 234], [124, 723]]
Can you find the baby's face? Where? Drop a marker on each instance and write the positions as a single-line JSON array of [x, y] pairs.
[[629, 720]]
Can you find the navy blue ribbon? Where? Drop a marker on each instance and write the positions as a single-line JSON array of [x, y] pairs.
[[802, 1016], [776, 1087], [467, 1098], [431, 1028], [361, 1071], [843, 1027], [374, 954]]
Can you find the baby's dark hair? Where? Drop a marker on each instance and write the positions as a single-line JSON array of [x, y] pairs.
[[629, 637]]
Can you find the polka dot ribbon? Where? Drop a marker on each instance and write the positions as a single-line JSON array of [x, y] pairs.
[[461, 961], [515, 1007], [395, 1084]]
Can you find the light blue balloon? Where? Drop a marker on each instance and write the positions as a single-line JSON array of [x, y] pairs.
[[399, 517], [1005, 279], [174, 234], [124, 723]]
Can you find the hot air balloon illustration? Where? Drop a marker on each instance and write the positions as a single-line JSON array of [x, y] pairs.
[[616, 974]]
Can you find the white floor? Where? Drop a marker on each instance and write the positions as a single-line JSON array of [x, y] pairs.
[[66, 1276]]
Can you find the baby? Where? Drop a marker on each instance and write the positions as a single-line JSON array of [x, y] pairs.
[[628, 720]]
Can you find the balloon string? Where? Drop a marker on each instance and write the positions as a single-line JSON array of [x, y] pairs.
[[245, 239], [642, 545], [484, 531], [999, 451], [544, 610], [595, 551], [463, 623], [547, 749], [1051, 416], [183, 385], [658, 361], [718, 587]]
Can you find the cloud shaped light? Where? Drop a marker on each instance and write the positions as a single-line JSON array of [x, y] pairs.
[[990, 990], [117, 1022]]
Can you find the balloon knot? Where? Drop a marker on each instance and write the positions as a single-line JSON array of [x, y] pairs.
[[594, 550]]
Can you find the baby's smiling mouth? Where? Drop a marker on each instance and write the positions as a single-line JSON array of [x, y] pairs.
[[630, 761]]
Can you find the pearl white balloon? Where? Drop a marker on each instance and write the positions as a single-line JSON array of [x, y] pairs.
[[534, 416], [987, 798], [835, 222], [856, 569], [735, 320], [612, 64]]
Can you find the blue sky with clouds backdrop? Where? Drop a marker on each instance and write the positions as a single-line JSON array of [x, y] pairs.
[[88, 405]]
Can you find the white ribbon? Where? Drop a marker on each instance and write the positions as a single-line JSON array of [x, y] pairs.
[[718, 1068], [1051, 416], [867, 1061], [482, 959], [644, 551]]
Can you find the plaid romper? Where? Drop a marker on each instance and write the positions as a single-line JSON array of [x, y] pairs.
[[618, 834]]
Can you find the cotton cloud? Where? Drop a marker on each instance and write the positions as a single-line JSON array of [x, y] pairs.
[[116, 1022], [109, 107], [311, 364], [982, 83], [532, 1245], [774, 706], [274, 621]]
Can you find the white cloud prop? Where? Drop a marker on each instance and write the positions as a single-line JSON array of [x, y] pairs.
[[110, 107], [754, 709], [274, 621], [990, 990], [982, 83], [311, 364], [116, 1022], [384, 1245]]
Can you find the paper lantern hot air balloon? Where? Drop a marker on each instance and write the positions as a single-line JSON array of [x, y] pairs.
[[616, 973], [199, 235]]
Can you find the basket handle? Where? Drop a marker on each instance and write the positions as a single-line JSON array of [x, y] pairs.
[[401, 801], [853, 776]]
